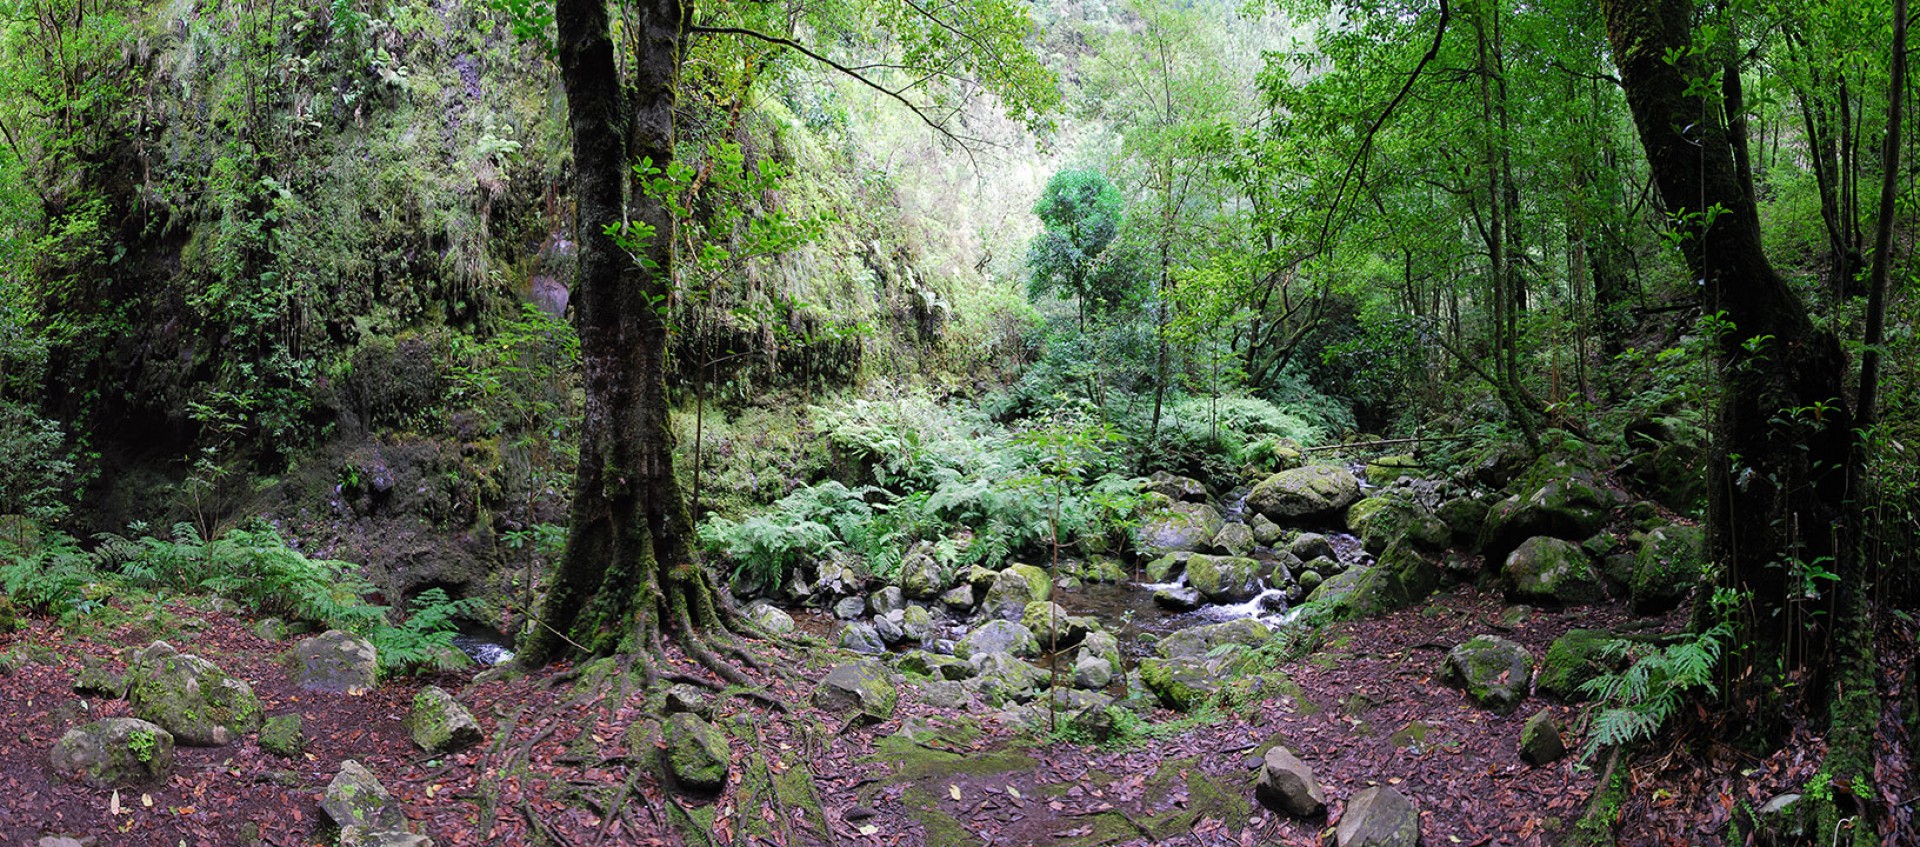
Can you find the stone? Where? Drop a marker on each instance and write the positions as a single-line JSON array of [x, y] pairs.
[[692, 699], [335, 661], [946, 694], [888, 599], [697, 753], [1493, 671], [916, 623], [113, 753], [1102, 569], [997, 636], [1378, 817], [1464, 516], [1540, 741], [935, 665], [1309, 580], [1388, 470], [1266, 533], [1224, 579], [1200, 641], [861, 686], [1287, 784], [1181, 684], [188, 696], [439, 724], [1308, 546], [356, 799], [97, 680], [1105, 646], [1179, 598], [1571, 508], [921, 576], [1574, 659], [889, 627], [1165, 568], [1178, 487], [848, 608], [356, 836], [1234, 539], [1666, 568], [1092, 672], [1052, 627], [1305, 494], [1380, 521], [862, 638], [958, 599], [1177, 528], [1012, 590], [1544, 570], [769, 618], [1402, 576], [284, 735], [999, 678]]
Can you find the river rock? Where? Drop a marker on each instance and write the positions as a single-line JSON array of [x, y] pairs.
[[1165, 568], [336, 661], [999, 678], [1287, 784], [1098, 568], [1493, 671], [1224, 579], [1464, 516], [1178, 487], [997, 636], [888, 627], [1378, 817], [958, 599], [1180, 527], [1401, 577], [1053, 627], [921, 576], [1387, 470], [1572, 508], [862, 638], [888, 599], [1266, 533], [356, 799], [1197, 642], [439, 724], [1308, 546], [769, 618], [697, 753], [1180, 683], [114, 752], [916, 623], [1234, 539], [1551, 571], [848, 608], [1178, 598], [1666, 568], [187, 695], [1380, 521], [861, 686], [1305, 494], [1091, 671], [935, 665], [1013, 589], [1540, 741]]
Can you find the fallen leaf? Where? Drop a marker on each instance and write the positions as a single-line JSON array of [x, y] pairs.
[[953, 791], [146, 800], [1013, 792], [869, 830], [113, 804]]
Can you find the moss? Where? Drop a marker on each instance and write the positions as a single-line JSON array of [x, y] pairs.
[[1573, 659]]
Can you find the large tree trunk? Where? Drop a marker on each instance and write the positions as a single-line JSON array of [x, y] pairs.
[[1777, 474], [626, 573]]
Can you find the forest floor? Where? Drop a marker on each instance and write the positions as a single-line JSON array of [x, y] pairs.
[[570, 757]]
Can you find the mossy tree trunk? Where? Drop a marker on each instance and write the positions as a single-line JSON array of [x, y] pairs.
[[627, 574], [1778, 471]]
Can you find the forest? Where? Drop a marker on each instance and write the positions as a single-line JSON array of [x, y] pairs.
[[1054, 423]]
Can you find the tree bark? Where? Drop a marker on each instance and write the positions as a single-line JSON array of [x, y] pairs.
[[1778, 469]]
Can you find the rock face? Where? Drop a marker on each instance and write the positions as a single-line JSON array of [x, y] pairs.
[[336, 661], [858, 687], [1303, 494], [997, 636], [1378, 817], [1179, 528], [697, 753], [1546, 570], [1540, 741], [1666, 568], [439, 724], [199, 703], [114, 752], [1287, 784], [1224, 579], [1493, 671]]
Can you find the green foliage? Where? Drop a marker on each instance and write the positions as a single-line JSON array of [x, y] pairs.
[[1081, 214], [1634, 704], [425, 640]]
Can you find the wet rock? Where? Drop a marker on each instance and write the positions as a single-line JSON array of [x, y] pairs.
[[1165, 568], [439, 724], [1234, 539], [356, 799], [862, 638], [1378, 817], [1309, 580], [769, 618], [1266, 533], [1540, 741], [1179, 527], [1178, 487], [1304, 494], [1102, 569], [1387, 470], [1287, 784], [336, 661], [1493, 671], [888, 599], [1326, 565], [999, 678], [848, 608], [1380, 521], [1200, 641], [997, 636], [1308, 546], [188, 696], [935, 665], [860, 686], [1551, 570], [1666, 568], [114, 752], [958, 599], [284, 735], [1178, 598], [697, 753], [1053, 627], [1224, 579]]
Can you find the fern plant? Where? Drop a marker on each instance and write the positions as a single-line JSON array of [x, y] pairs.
[[1635, 703]]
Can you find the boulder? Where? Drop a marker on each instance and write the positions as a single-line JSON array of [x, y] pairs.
[[1180, 683], [187, 695], [1388, 470], [935, 665], [1666, 568], [889, 627], [888, 599], [1287, 784], [284, 735], [1052, 627], [1092, 671], [1102, 569], [1378, 817], [356, 799], [916, 623], [439, 724], [1401, 577], [999, 678], [1198, 642], [862, 638], [1464, 516], [921, 576], [1178, 487], [1266, 533], [946, 695], [1672, 473], [1573, 660], [1544, 570], [1013, 589], [1234, 539], [697, 753], [1180, 527], [1540, 741], [114, 752], [997, 636], [858, 687], [1179, 598], [336, 661], [958, 599], [97, 680], [1308, 546], [1380, 521], [1493, 671], [1572, 508], [1166, 568], [1305, 494], [1224, 579], [1103, 645], [848, 608], [769, 618]]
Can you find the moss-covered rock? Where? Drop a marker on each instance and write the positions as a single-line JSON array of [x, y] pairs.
[[1552, 571], [1179, 527], [1182, 683], [336, 661], [284, 735], [999, 678], [1197, 642], [199, 703], [439, 724], [958, 598], [1013, 589], [1464, 516], [697, 754], [1573, 660], [1666, 568], [1308, 546], [114, 752], [98, 680], [1494, 672], [1233, 539], [858, 687], [862, 638], [769, 618], [1176, 488], [356, 799], [1265, 532], [1401, 577], [921, 576], [1380, 521], [1378, 817], [1052, 627], [997, 636], [934, 665], [9, 615], [1224, 579], [1166, 568], [1387, 470], [1572, 508], [1305, 494], [1540, 741]]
